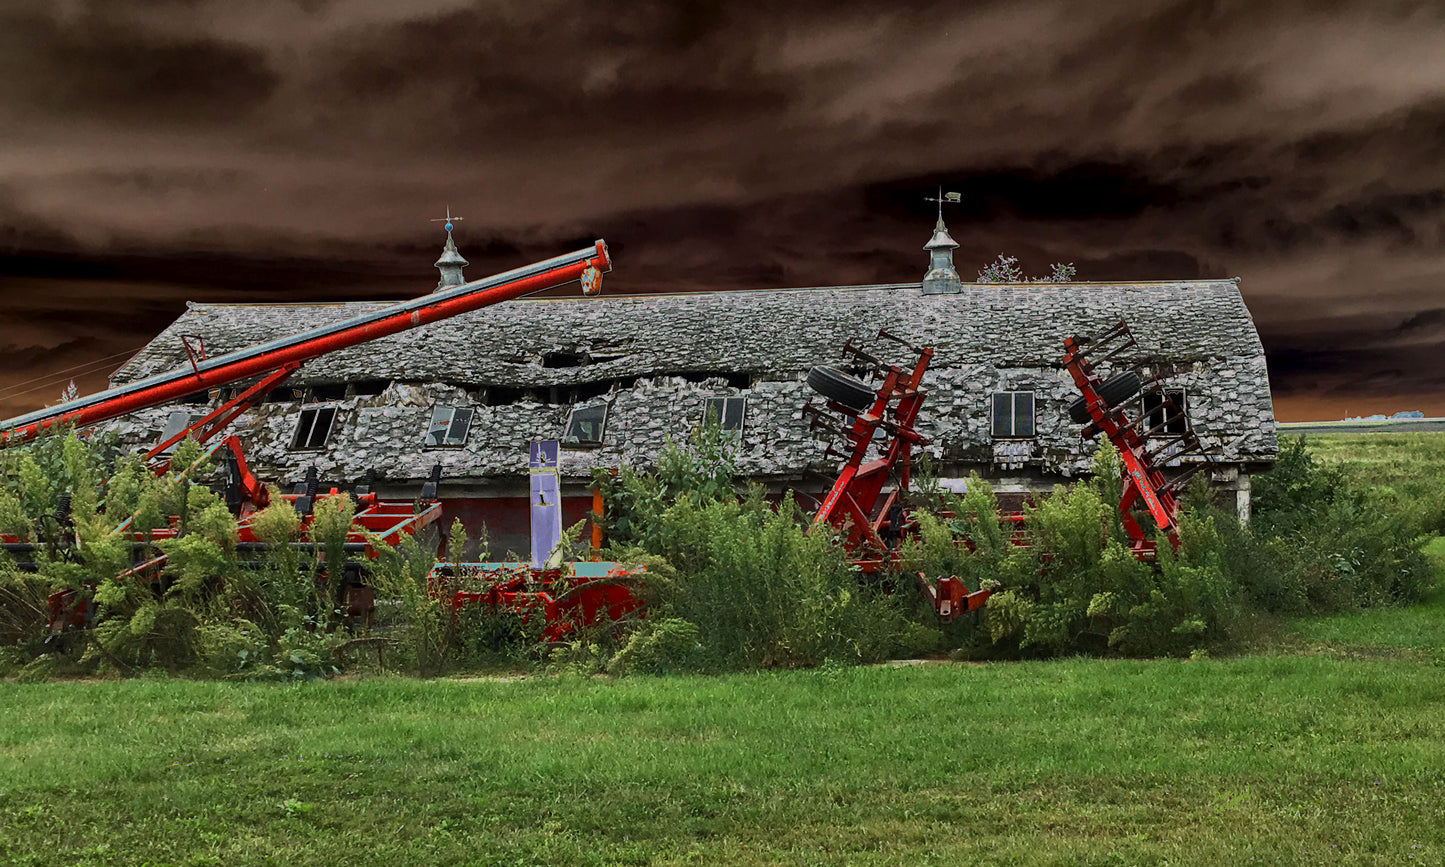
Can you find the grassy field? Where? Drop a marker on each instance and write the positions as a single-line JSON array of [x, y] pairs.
[[1391, 464], [1284, 759], [1326, 746]]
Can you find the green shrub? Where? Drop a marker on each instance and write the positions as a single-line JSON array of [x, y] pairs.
[[760, 589], [1318, 544], [661, 646], [1075, 587]]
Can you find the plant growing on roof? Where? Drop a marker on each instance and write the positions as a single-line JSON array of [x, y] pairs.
[[1006, 270]]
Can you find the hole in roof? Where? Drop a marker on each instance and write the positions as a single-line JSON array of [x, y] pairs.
[[563, 358]]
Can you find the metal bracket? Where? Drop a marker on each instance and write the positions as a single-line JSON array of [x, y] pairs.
[[884, 334], [195, 354]]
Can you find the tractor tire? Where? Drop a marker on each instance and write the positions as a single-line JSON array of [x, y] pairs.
[[1114, 391], [840, 387]]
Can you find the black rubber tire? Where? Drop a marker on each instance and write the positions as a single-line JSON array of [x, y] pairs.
[[841, 387], [1114, 391]]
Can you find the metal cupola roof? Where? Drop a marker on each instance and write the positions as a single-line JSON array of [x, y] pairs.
[[941, 238], [450, 256]]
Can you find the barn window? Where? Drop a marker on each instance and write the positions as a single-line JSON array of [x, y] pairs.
[[449, 426], [1013, 414], [584, 426], [1174, 418], [728, 412], [313, 428]]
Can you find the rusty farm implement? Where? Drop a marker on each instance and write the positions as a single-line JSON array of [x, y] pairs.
[[866, 503]]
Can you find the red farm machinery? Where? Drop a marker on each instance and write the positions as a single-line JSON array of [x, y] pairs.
[[866, 503], [266, 366]]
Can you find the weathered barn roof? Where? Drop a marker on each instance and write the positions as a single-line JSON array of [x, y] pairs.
[[653, 351]]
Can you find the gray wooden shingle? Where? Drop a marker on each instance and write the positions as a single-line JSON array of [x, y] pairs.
[[989, 337]]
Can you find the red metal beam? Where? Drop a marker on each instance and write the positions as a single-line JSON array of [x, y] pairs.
[[585, 265]]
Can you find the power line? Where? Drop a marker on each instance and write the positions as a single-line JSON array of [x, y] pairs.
[[65, 373]]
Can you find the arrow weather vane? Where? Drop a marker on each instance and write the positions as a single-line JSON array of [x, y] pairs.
[[951, 198], [448, 219]]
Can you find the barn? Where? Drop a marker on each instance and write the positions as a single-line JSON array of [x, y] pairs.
[[617, 377]]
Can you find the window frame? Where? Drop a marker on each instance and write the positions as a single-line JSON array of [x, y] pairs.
[[1013, 415], [297, 445], [1176, 426], [742, 423], [569, 443], [450, 439]]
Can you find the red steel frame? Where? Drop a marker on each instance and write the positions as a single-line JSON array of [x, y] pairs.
[[1143, 481], [585, 265], [857, 504], [853, 503], [567, 599]]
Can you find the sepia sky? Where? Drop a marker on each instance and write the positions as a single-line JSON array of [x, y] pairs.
[[169, 150]]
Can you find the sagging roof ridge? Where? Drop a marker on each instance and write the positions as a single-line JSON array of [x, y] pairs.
[[863, 287]]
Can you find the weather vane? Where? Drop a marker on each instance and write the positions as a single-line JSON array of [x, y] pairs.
[[951, 198], [449, 218]]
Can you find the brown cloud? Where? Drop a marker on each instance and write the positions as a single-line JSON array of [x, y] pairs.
[[271, 150]]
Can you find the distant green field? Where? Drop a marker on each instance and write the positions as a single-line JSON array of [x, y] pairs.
[[1395, 464]]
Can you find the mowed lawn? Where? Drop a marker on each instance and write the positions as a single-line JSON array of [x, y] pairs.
[[1282, 759]]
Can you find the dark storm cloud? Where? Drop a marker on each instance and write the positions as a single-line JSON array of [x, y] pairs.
[[100, 65], [274, 150]]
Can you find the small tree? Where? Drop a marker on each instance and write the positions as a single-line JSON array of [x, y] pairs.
[[1006, 270]]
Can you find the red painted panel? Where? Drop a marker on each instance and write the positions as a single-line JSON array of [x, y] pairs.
[[506, 520]]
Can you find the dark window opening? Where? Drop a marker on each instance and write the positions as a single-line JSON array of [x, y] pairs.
[[503, 395], [728, 412], [449, 426], [1174, 417], [585, 425], [369, 387], [324, 393], [283, 395], [587, 391], [313, 428], [1013, 414], [196, 397]]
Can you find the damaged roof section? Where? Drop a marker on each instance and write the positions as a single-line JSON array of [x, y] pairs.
[[563, 341], [656, 359]]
